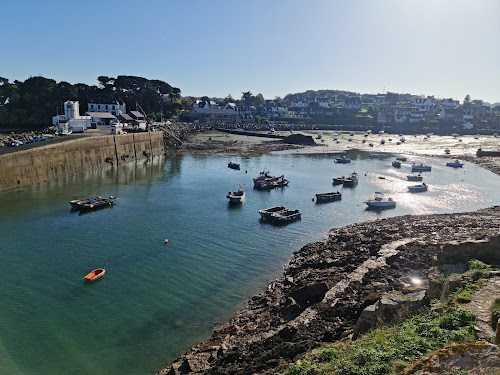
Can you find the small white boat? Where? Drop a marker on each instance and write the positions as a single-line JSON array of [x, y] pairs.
[[236, 196], [420, 168], [454, 164], [342, 160], [417, 188], [319, 136], [414, 178], [380, 202]]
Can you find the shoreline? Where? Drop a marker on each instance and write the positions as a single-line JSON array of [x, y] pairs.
[[312, 304]]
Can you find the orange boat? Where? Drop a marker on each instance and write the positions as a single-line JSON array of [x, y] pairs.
[[95, 274]]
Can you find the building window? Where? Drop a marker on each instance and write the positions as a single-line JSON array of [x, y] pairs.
[[106, 107], [98, 106]]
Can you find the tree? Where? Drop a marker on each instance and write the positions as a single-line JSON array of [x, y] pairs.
[[227, 99], [467, 102], [246, 97], [186, 102], [258, 100], [105, 81]]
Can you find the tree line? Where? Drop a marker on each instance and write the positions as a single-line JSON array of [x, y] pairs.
[[34, 101]]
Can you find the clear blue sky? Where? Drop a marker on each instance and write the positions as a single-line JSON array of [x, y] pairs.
[[448, 48]]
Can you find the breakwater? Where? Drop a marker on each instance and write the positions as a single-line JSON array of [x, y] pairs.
[[77, 156]]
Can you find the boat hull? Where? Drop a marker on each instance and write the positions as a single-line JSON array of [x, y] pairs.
[[95, 274], [328, 197]]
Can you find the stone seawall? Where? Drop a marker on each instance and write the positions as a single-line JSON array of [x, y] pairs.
[[75, 157]]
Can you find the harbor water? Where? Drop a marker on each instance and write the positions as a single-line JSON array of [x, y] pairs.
[[156, 300]]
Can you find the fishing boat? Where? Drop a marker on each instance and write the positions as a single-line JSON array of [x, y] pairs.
[[338, 180], [233, 165], [270, 182], [396, 163], [266, 213], [417, 188], [380, 202], [326, 197], [420, 168], [285, 216], [454, 164], [414, 178], [401, 158], [342, 160], [95, 274], [92, 203], [236, 195], [352, 180]]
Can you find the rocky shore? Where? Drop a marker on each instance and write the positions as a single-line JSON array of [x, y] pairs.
[[326, 287]]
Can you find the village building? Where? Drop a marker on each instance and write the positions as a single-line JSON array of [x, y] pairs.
[[114, 108]]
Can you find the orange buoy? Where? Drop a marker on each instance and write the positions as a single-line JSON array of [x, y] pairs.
[[313, 199], [166, 241]]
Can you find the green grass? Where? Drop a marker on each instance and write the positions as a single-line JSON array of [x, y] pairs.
[[387, 351], [495, 313], [471, 281]]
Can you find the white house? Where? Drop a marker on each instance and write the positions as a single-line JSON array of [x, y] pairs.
[[449, 103], [299, 104], [323, 101], [425, 104], [71, 120], [115, 108]]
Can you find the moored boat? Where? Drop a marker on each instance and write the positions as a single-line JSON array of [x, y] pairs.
[[401, 158], [420, 168], [92, 203], [352, 180], [233, 165], [286, 216], [396, 163], [418, 188], [95, 274], [326, 197], [380, 202], [414, 178], [236, 196], [342, 160], [338, 180], [454, 164], [266, 213]]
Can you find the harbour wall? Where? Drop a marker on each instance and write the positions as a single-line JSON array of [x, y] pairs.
[[75, 157]]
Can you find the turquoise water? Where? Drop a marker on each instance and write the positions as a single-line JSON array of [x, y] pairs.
[[157, 300]]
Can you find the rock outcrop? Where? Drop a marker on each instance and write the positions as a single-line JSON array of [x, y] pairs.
[[327, 285]]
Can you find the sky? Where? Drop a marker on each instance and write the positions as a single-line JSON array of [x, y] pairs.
[[446, 48]]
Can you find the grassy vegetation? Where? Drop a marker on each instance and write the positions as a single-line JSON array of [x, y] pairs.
[[495, 313], [387, 351], [471, 281]]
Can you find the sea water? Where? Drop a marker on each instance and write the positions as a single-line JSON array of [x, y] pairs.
[[157, 300]]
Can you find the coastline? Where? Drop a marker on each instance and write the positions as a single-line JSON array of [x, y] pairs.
[[326, 285]]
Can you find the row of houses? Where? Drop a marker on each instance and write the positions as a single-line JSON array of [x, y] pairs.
[[210, 112], [430, 109]]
